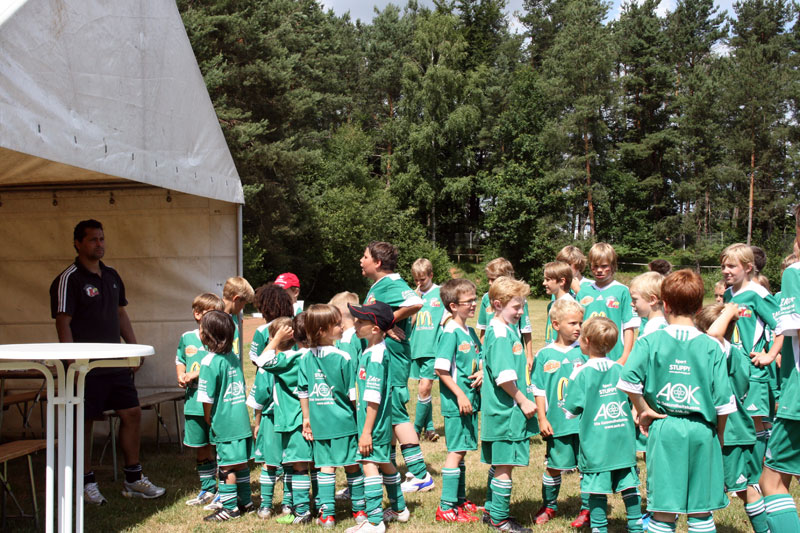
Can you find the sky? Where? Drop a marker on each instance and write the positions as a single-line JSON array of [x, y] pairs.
[[363, 9]]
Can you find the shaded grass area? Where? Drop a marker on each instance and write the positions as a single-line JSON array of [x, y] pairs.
[[169, 468]]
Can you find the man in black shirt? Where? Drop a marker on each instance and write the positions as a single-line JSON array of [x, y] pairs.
[[88, 303]]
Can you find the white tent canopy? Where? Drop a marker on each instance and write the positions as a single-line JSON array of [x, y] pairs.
[[104, 114]]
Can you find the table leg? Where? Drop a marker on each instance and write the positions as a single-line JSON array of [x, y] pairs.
[[79, 445], [69, 450]]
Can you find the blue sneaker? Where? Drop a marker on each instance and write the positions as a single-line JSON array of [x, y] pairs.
[[418, 485], [645, 521]]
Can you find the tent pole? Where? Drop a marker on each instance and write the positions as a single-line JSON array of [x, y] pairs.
[[240, 272]]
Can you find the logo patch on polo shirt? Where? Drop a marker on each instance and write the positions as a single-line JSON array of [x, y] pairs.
[[191, 350], [612, 303], [91, 291], [551, 366]]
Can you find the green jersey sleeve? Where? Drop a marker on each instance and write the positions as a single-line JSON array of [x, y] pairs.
[[209, 381], [485, 313], [575, 399]]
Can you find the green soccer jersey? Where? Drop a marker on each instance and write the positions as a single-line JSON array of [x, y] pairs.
[[427, 325], [739, 429], [649, 326], [351, 344], [393, 291], [680, 371], [327, 380], [261, 397], [504, 362], [550, 334], [458, 352], [606, 425], [486, 314], [221, 384], [788, 325], [236, 336], [285, 367], [614, 302], [260, 341], [190, 354], [757, 312], [372, 386], [552, 369]]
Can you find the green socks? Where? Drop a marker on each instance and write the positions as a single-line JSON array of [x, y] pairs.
[[701, 525], [327, 493], [227, 495], [598, 513], [550, 488], [489, 477], [782, 514], [660, 527], [424, 417], [393, 491], [207, 472], [301, 486], [288, 472], [355, 482], [450, 480], [501, 499], [412, 454], [756, 512], [633, 510], [373, 495], [243, 494], [267, 480]]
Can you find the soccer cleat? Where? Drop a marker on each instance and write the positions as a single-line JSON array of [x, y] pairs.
[[432, 436], [486, 518], [510, 525], [142, 488], [367, 527], [203, 498], [343, 494], [286, 510], [221, 515], [418, 485], [453, 515], [544, 515], [291, 518], [390, 515], [246, 509], [582, 519], [214, 505], [469, 507], [91, 494], [327, 523], [265, 513], [360, 516]]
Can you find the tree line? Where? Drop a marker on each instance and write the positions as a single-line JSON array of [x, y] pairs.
[[443, 131]]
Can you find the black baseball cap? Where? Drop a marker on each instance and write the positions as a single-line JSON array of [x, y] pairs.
[[378, 313]]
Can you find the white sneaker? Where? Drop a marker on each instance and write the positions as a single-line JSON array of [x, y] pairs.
[[343, 494], [91, 494], [215, 504], [367, 527], [142, 488], [203, 497], [390, 515], [418, 485]]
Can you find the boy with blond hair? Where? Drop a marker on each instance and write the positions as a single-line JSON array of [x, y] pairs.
[[573, 256], [506, 400], [195, 429], [236, 293], [609, 298], [427, 326], [608, 460], [552, 368], [719, 292], [557, 282], [646, 299], [349, 342]]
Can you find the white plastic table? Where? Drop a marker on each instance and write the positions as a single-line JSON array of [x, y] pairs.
[[39, 357]]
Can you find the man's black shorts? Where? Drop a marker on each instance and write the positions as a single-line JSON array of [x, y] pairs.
[[109, 391]]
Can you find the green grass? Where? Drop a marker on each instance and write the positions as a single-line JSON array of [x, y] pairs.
[[176, 471]]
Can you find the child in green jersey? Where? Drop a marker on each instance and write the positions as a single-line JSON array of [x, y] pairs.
[[552, 368], [573, 256], [677, 379], [268, 449], [195, 430], [221, 390], [507, 401], [740, 461], [646, 300], [326, 388], [272, 302], [427, 326], [557, 282], [609, 298], [458, 367], [374, 412], [607, 459], [236, 293], [719, 292]]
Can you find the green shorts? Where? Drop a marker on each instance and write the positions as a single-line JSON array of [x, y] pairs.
[[341, 451], [422, 368], [741, 465], [235, 452], [506, 452], [684, 467], [641, 440], [757, 401], [296, 449], [380, 454], [267, 449], [783, 448], [195, 431], [461, 432], [609, 482], [399, 401], [562, 452]]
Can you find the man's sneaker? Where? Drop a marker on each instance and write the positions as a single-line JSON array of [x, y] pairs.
[[390, 515], [291, 518], [214, 505], [510, 525], [265, 513], [360, 516], [91, 494], [453, 515], [367, 527], [246, 509], [418, 485], [203, 498], [469, 507], [142, 488], [327, 523], [221, 515], [343, 494], [582, 519], [544, 515]]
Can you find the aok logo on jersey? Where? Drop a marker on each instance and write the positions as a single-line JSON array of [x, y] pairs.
[[611, 411], [679, 394], [235, 390], [322, 390]]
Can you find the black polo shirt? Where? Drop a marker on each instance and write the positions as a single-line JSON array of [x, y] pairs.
[[92, 301]]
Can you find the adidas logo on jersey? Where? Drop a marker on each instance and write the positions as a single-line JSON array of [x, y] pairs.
[[741, 479], [752, 407]]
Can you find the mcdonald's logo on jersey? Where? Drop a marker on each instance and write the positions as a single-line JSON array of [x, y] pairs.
[[562, 384], [424, 319]]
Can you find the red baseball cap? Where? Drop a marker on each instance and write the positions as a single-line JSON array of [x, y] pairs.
[[287, 280]]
